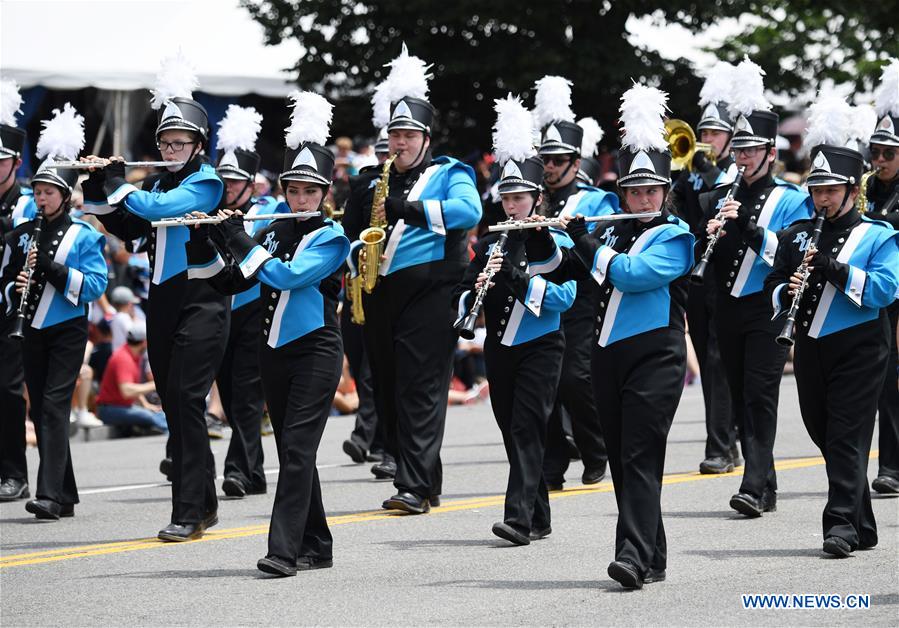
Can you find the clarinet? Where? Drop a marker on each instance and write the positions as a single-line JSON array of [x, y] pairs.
[[19, 324], [787, 336], [697, 276], [466, 325]]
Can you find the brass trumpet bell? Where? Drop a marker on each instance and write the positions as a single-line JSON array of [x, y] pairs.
[[683, 145]]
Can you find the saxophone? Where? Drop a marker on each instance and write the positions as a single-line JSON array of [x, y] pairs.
[[861, 201], [375, 236], [354, 295]]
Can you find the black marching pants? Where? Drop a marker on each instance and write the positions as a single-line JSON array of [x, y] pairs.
[[409, 338], [186, 323], [719, 415], [240, 386], [575, 395], [888, 407], [52, 359], [754, 363], [838, 377], [13, 464], [640, 381], [523, 382], [367, 432], [300, 379]]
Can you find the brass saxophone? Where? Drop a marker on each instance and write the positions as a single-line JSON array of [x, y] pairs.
[[375, 236], [354, 295], [861, 201]]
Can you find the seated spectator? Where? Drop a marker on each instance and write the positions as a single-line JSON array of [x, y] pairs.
[[102, 340], [122, 399], [124, 302]]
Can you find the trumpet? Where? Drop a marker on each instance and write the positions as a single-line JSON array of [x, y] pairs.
[[698, 274], [786, 337], [512, 225], [466, 325], [683, 145], [86, 165], [187, 221]]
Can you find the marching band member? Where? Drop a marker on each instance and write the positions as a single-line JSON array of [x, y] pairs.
[[743, 257], [589, 170], [431, 204], [639, 271], [715, 128], [16, 204], [560, 149], [239, 381], [296, 263], [69, 271], [186, 318], [524, 346], [842, 330], [883, 204]]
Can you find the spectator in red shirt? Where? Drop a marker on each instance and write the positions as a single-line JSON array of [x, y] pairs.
[[122, 399]]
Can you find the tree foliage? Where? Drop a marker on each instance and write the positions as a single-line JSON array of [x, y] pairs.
[[483, 50]]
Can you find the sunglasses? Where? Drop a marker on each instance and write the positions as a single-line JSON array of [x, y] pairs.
[[888, 153], [557, 160]]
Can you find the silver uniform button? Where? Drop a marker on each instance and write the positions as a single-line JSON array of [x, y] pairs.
[[274, 295], [522, 264], [271, 308], [740, 252], [762, 197], [602, 304], [287, 256], [502, 321], [728, 284], [59, 233], [758, 206], [833, 250], [506, 309], [736, 262], [499, 333], [268, 321], [805, 323], [732, 273], [510, 299], [55, 242], [841, 240]]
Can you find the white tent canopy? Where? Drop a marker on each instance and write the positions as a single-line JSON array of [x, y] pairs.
[[118, 44]]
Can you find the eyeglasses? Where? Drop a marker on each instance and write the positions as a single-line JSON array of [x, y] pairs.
[[558, 160], [174, 146], [888, 153], [749, 151]]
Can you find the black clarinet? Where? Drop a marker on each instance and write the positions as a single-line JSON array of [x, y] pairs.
[[787, 336], [19, 324], [466, 325], [698, 274]]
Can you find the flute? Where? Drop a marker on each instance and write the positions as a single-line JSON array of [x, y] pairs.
[[86, 165], [187, 221], [510, 225]]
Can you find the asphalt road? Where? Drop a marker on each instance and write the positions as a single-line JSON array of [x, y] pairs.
[[104, 567]]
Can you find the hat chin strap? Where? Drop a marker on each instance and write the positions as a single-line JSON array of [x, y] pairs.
[[193, 153], [764, 161]]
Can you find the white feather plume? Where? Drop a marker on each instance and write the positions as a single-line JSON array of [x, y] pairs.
[[886, 99], [408, 77], [513, 133], [239, 129], [63, 135], [864, 121], [719, 84], [10, 102], [593, 135], [748, 93], [310, 120], [642, 118], [553, 100], [829, 121], [176, 77]]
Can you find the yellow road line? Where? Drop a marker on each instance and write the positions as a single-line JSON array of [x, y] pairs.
[[83, 551]]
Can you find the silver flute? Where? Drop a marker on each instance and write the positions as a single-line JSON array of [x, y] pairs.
[[511, 225], [187, 221], [86, 165]]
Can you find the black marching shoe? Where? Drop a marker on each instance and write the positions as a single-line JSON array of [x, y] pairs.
[[276, 566], [233, 487], [384, 470], [407, 502], [505, 531], [180, 532], [211, 519], [49, 509], [752, 506], [886, 485], [434, 500], [595, 475], [837, 547], [554, 486], [307, 563], [374, 456], [625, 574], [12, 489], [259, 489], [716, 465], [540, 533], [354, 450]]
